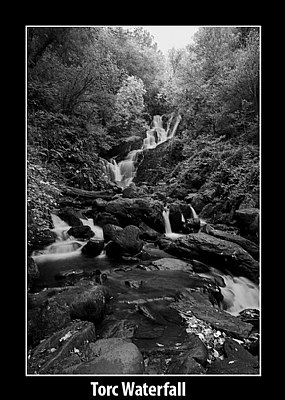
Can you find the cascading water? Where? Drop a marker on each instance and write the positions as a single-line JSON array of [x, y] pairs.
[[239, 293], [124, 172]]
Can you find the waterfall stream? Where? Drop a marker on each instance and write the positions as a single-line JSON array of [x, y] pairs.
[[124, 172]]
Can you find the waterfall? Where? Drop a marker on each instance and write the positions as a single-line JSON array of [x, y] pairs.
[[65, 246], [124, 172], [239, 293], [165, 214], [194, 215], [98, 231]]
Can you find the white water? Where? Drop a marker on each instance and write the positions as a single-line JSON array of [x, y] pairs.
[[124, 172], [240, 293], [65, 246], [98, 231], [167, 225]]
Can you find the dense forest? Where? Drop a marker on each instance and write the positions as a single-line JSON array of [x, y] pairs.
[[177, 244], [89, 88]]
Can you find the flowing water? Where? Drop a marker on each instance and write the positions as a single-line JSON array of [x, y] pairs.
[[124, 172], [65, 254]]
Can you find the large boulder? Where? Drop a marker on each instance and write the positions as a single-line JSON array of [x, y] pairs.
[[248, 245], [81, 232], [90, 304], [248, 222], [237, 360], [125, 242], [216, 252], [110, 231], [61, 349], [193, 361], [135, 211], [93, 247], [111, 356], [70, 216]]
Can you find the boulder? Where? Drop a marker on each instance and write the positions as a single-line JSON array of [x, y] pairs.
[[93, 247], [216, 252], [248, 222], [110, 231], [193, 361], [237, 360], [61, 349], [172, 264], [130, 192], [111, 356], [70, 216], [32, 271], [248, 245], [175, 217], [135, 211], [81, 232], [104, 218], [148, 233], [125, 242], [89, 305]]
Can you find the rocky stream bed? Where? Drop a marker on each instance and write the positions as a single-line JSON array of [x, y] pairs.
[[137, 301]]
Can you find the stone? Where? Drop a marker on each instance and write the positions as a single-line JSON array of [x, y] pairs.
[[148, 233], [216, 252], [172, 264], [130, 192], [135, 211], [93, 247], [193, 361], [61, 349], [81, 232], [248, 221], [70, 216], [125, 242], [104, 218], [110, 231], [246, 244], [237, 360], [32, 271], [89, 305], [111, 356]]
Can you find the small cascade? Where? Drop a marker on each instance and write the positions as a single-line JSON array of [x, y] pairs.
[[194, 215], [98, 231], [239, 294], [60, 227], [124, 172], [165, 214]]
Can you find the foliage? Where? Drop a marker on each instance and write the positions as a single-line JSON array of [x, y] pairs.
[[129, 107]]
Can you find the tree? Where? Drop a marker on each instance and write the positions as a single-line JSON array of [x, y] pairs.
[[129, 107]]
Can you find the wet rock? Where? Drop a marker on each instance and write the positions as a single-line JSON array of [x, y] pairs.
[[93, 247], [32, 271], [81, 232], [193, 361], [70, 274], [199, 266], [250, 315], [111, 356], [123, 329], [237, 360], [246, 244], [248, 221], [130, 192], [62, 349], [89, 305], [148, 233], [45, 319], [104, 218], [125, 242], [218, 253], [172, 264], [135, 211], [70, 216], [110, 231]]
